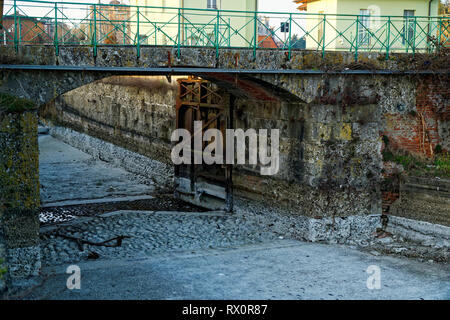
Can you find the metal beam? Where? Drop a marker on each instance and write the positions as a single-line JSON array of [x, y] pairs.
[[191, 70]]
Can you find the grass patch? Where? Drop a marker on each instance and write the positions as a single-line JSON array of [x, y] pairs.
[[12, 104], [3, 269], [438, 167]]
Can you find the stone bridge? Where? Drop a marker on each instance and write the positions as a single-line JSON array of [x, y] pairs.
[[269, 75], [336, 115]]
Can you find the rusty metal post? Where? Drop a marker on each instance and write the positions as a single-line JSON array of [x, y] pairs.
[[229, 167]]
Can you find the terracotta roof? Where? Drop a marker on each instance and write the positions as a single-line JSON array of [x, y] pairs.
[[266, 42], [303, 4]]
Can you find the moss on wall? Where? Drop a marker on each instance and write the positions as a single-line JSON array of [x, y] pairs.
[[19, 161], [12, 104], [19, 179], [19, 184]]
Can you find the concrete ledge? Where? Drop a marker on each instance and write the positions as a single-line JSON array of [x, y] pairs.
[[341, 230], [93, 201], [420, 231], [424, 199]]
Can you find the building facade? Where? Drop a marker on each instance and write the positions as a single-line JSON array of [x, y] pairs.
[[106, 24], [158, 21], [401, 25], [29, 30]]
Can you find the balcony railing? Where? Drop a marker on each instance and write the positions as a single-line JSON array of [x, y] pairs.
[[59, 24]]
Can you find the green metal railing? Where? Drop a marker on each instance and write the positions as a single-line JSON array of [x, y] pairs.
[[59, 24]]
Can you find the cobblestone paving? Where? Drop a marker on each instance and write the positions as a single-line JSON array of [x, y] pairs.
[[151, 233], [160, 202]]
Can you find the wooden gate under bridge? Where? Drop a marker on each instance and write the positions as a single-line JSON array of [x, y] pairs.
[[205, 185]]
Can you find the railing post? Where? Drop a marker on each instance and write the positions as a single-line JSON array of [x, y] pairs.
[[217, 34], [290, 36], [406, 33], [429, 34], [20, 31], [323, 35], [255, 34], [357, 38], [124, 33], [438, 46], [414, 36], [388, 38], [229, 32], [94, 38], [16, 44], [55, 36], [179, 34], [138, 45]]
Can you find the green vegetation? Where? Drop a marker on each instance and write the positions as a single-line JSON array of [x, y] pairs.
[[9, 103], [3, 269], [438, 167]]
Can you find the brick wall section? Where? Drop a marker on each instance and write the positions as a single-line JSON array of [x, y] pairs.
[[419, 131], [433, 102], [388, 198]]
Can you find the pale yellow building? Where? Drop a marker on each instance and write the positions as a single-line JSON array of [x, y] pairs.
[[160, 22], [397, 24]]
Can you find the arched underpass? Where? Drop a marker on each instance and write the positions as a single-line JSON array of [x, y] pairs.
[[330, 161]]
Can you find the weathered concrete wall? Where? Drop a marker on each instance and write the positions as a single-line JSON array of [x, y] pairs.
[[425, 233], [137, 113], [151, 56], [425, 199], [19, 193], [329, 162]]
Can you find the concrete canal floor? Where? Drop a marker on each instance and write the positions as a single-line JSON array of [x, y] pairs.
[[171, 250]]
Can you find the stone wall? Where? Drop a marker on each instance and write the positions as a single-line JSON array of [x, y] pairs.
[[329, 158], [107, 59], [422, 211], [425, 199], [329, 154], [137, 113], [19, 193], [417, 129], [332, 133]]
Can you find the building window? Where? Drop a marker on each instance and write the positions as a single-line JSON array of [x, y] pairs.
[[212, 4], [408, 26], [364, 27]]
